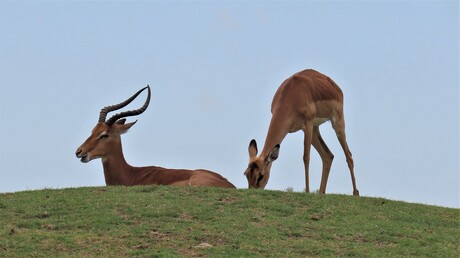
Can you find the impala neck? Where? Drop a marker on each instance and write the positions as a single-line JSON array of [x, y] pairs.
[[277, 130], [116, 170]]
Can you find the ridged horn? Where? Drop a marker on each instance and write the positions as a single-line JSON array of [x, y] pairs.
[[114, 118]]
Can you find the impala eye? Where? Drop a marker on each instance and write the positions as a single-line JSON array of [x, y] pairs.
[[104, 136]]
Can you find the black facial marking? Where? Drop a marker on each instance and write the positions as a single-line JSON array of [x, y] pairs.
[[253, 166], [259, 179]]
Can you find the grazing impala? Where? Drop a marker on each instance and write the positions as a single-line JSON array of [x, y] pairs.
[[105, 143], [303, 102]]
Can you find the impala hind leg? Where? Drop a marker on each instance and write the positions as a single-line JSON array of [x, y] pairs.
[[326, 156], [338, 123], [308, 131]]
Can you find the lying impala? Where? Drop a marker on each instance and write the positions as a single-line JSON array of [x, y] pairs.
[[105, 143], [303, 102]]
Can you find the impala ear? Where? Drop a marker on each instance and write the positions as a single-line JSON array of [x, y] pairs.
[[273, 155], [252, 149], [122, 127], [121, 121]]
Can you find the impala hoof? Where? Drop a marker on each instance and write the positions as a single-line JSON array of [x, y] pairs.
[[356, 193]]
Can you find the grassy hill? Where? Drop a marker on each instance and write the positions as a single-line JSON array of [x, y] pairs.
[[171, 221]]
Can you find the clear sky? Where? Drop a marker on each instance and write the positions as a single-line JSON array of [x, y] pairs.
[[214, 68]]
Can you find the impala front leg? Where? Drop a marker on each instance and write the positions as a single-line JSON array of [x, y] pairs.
[[308, 131], [326, 156]]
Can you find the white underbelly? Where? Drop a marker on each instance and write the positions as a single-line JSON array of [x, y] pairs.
[[319, 120]]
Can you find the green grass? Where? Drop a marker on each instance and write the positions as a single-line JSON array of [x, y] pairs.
[[171, 221]]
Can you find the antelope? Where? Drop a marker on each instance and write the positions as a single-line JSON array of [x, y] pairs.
[[304, 101], [105, 143]]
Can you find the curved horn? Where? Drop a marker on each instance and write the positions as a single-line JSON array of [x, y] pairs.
[[107, 109], [115, 117]]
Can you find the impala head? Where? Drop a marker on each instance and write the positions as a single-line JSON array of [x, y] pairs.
[[258, 170], [106, 134]]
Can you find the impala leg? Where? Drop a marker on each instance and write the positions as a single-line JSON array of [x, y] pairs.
[[326, 156], [339, 127], [308, 131]]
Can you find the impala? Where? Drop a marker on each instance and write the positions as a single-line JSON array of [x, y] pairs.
[[303, 102], [105, 143]]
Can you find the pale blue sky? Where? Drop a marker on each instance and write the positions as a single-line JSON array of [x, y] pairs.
[[213, 68]]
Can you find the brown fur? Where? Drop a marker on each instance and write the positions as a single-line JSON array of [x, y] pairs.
[[118, 172], [302, 102], [317, 85]]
